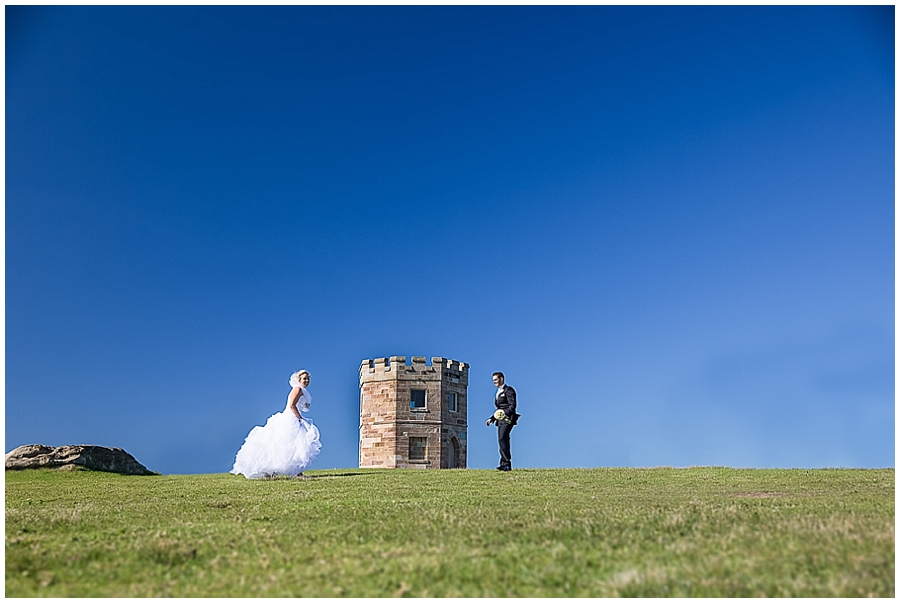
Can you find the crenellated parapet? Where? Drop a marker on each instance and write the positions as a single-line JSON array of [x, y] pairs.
[[396, 367]]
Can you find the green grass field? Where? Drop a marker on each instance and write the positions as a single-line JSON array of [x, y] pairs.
[[461, 533]]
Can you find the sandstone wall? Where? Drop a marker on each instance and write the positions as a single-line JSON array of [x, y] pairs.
[[387, 423]]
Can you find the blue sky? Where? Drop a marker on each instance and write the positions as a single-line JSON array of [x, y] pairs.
[[671, 227]]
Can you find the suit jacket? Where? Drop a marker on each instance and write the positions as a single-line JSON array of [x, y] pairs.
[[507, 402]]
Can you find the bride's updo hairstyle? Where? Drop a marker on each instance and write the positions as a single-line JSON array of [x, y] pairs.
[[295, 378]]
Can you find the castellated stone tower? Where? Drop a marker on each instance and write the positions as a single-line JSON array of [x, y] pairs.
[[412, 416]]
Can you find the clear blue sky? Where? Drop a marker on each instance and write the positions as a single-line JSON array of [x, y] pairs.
[[672, 227]]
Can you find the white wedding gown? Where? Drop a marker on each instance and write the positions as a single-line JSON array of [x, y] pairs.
[[283, 446]]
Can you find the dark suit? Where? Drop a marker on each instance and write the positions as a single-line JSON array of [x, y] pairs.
[[506, 401]]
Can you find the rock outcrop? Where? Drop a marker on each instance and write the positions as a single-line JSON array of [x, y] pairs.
[[98, 458]]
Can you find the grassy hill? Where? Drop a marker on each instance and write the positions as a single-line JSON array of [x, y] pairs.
[[528, 533]]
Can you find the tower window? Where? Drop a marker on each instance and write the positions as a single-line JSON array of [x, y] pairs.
[[453, 401], [417, 398], [418, 448]]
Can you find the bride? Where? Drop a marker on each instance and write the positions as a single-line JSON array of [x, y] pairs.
[[287, 443]]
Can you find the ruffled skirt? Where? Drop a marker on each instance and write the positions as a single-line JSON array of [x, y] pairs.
[[283, 446]]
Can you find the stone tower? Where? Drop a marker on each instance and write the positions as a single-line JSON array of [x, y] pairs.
[[412, 415]]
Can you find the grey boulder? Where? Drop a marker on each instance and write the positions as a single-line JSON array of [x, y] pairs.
[[98, 458]]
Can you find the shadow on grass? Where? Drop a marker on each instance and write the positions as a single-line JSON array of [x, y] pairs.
[[307, 477], [353, 474]]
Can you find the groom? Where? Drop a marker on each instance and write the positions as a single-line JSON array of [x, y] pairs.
[[505, 401]]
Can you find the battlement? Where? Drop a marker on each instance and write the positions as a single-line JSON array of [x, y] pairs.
[[395, 367]]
